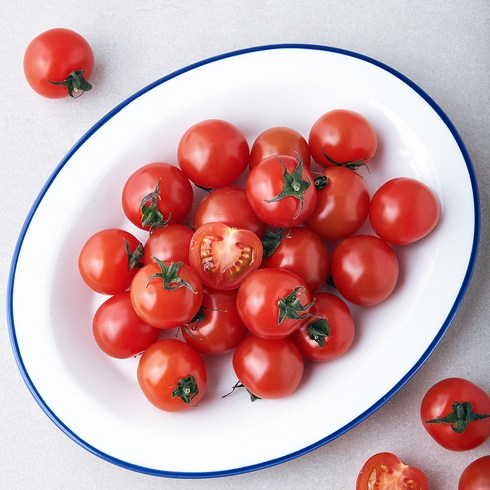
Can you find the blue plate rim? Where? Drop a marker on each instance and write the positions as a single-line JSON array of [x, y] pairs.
[[245, 469]]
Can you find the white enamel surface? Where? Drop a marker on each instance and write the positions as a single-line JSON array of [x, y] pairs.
[[98, 399]]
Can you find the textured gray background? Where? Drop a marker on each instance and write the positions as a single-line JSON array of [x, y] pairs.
[[443, 46]]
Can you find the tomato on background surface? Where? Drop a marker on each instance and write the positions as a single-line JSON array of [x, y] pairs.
[[342, 137], [59, 62], [269, 369], [298, 250], [216, 329], [170, 243], [385, 471], [172, 375], [166, 294], [329, 333], [364, 269], [224, 256], [273, 303], [456, 414], [109, 260], [281, 191], [213, 153], [119, 331], [342, 204], [403, 210], [476, 476], [279, 141], [228, 205], [156, 194]]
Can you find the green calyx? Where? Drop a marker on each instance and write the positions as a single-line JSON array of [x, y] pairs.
[[134, 258], [151, 215], [75, 83], [170, 276], [291, 307], [239, 384], [186, 389], [460, 417], [353, 165], [272, 240], [319, 331]]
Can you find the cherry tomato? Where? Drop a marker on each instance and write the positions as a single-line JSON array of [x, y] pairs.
[[166, 295], [170, 243], [456, 414], [156, 194], [269, 369], [217, 328], [281, 191], [59, 62], [342, 204], [342, 137], [364, 269], [403, 210], [213, 153], [273, 303], [279, 141], [172, 375], [476, 475], [228, 205], [119, 331], [109, 260], [298, 250], [329, 333], [385, 471], [224, 256]]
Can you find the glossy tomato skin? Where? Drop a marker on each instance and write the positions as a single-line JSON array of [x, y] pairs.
[[438, 402], [224, 256], [162, 308], [328, 307], [161, 367], [385, 471], [404, 210], [269, 369], [342, 205], [213, 153], [345, 136], [170, 243], [260, 296], [476, 476], [173, 198], [217, 329], [119, 331], [303, 252], [364, 269], [267, 182], [104, 263], [52, 56], [279, 141], [228, 205]]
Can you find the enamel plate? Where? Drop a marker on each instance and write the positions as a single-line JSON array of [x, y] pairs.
[[96, 400]]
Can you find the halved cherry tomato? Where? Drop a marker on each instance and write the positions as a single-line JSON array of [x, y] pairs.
[[476, 476], [170, 243], [224, 256], [385, 471]]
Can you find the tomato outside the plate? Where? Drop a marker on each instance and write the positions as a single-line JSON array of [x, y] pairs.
[[476, 476]]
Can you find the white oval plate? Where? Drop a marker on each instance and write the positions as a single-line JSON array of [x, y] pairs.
[[96, 401]]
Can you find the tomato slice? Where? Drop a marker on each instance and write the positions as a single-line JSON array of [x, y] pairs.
[[223, 256], [385, 471]]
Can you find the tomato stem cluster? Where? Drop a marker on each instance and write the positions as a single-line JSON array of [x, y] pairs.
[[460, 417], [75, 83]]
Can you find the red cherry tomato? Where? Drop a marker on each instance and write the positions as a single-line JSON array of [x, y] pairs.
[[342, 137], [281, 191], [213, 153], [364, 269], [119, 331], [224, 256], [476, 475], [342, 205], [329, 333], [403, 210], [109, 260], [269, 369], [170, 243], [385, 471], [298, 250], [156, 194], [172, 375], [59, 62], [279, 141], [456, 414]]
